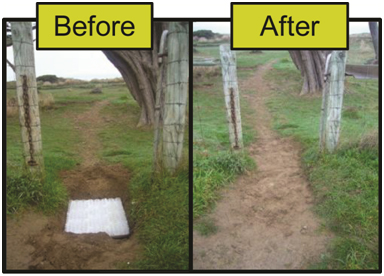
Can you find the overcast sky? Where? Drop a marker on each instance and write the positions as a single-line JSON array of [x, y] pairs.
[[88, 65], [224, 27]]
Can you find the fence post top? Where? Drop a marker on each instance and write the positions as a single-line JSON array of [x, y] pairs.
[[225, 47]]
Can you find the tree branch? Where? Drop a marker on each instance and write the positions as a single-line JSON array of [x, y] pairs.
[[11, 65]]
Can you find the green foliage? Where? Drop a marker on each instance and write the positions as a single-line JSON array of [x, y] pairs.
[[204, 33], [50, 78], [345, 183], [161, 213], [160, 207], [22, 191], [212, 172]]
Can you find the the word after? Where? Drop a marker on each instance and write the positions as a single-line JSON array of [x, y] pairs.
[[303, 28]]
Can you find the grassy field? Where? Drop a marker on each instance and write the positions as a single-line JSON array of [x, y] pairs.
[[345, 184], [161, 201]]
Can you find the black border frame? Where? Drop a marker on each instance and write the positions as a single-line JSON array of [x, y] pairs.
[[290, 3], [93, 4], [190, 270]]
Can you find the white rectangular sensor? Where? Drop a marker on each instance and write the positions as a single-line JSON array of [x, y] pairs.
[[97, 215]]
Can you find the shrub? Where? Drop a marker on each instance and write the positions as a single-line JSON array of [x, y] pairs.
[[48, 78], [204, 33]]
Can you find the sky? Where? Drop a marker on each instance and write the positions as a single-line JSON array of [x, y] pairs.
[[224, 27], [89, 65]]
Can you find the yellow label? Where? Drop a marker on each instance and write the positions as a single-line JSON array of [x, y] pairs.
[[290, 26], [94, 26]]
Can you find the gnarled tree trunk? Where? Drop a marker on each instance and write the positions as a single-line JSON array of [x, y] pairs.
[[311, 65], [140, 70]]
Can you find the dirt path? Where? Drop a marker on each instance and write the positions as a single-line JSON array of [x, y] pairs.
[[264, 220], [35, 241]]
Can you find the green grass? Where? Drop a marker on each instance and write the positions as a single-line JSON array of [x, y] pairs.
[[160, 213], [345, 184], [161, 209], [59, 150]]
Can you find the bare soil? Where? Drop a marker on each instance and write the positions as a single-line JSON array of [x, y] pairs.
[[264, 219], [35, 241]]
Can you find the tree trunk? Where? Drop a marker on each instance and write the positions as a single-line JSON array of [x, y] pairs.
[[375, 36], [311, 65], [140, 70]]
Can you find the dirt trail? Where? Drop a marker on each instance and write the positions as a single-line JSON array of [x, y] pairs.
[[35, 241], [264, 219]]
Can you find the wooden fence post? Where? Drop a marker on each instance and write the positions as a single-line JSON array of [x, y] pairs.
[[159, 97], [27, 98], [231, 96], [332, 100], [176, 94]]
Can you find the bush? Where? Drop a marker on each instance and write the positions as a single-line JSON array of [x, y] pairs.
[[50, 78], [204, 33]]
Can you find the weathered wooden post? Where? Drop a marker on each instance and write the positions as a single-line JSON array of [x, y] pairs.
[[159, 96], [176, 94], [27, 98], [332, 100], [231, 96]]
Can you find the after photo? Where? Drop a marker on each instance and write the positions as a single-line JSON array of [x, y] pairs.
[[285, 154]]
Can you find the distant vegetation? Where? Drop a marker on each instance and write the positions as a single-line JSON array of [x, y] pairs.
[[50, 78], [208, 34]]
